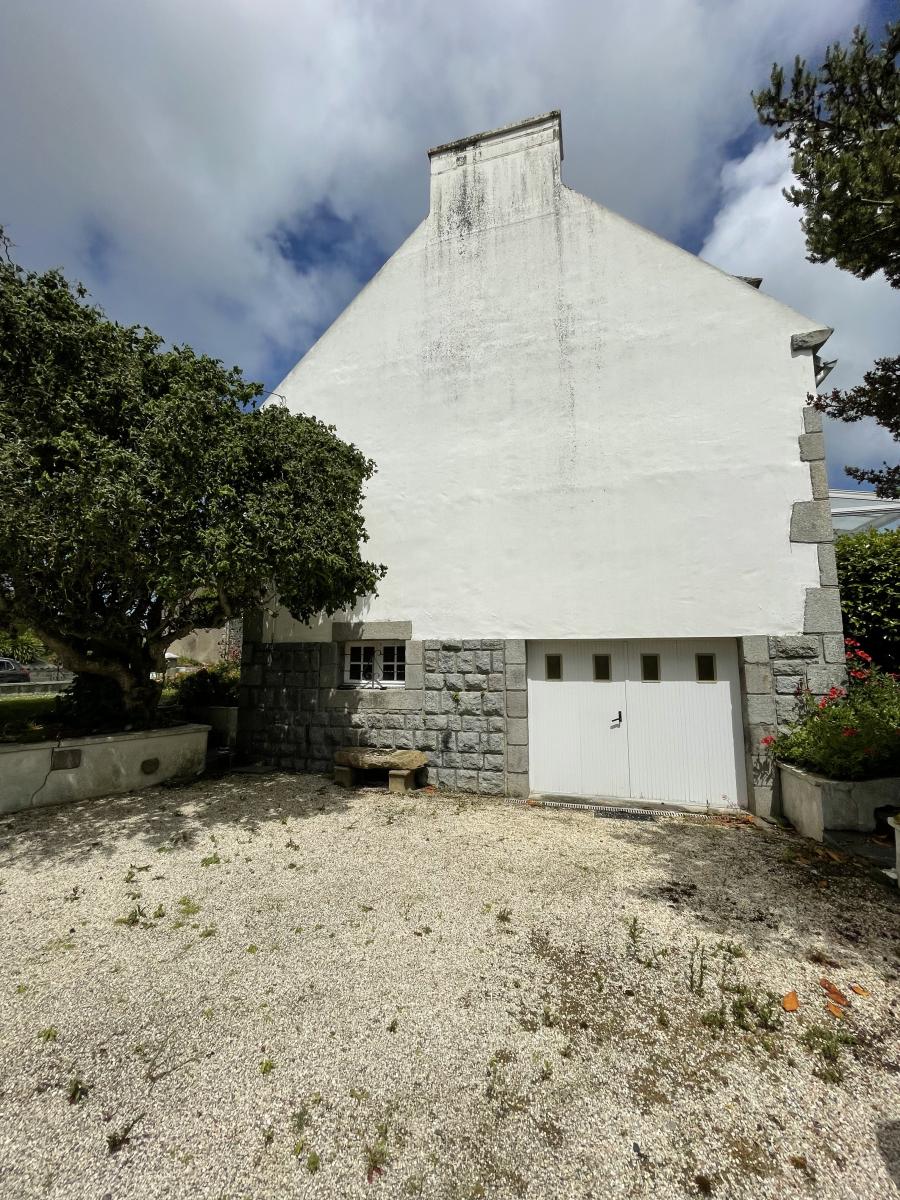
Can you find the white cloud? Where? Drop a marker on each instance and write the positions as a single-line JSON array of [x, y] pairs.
[[757, 232], [186, 133]]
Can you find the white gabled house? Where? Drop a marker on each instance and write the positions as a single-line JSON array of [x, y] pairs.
[[601, 498]]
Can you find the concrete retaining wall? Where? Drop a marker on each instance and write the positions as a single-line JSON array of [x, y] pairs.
[[36, 774]]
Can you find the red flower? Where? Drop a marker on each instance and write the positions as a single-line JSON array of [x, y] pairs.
[[858, 674], [769, 740], [850, 642], [835, 692], [823, 703], [849, 731]]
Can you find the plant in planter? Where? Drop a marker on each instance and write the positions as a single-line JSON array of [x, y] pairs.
[[839, 762], [848, 734]]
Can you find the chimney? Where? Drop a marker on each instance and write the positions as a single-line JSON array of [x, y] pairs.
[[497, 177]]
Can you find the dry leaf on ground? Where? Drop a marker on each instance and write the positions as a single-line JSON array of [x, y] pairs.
[[790, 1002], [859, 989], [834, 1009]]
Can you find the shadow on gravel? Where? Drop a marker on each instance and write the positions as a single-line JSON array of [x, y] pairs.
[[163, 817], [889, 1146], [743, 883]]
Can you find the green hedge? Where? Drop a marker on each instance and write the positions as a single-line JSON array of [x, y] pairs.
[[208, 686], [869, 574]]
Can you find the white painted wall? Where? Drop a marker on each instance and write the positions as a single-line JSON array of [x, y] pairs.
[[580, 429]]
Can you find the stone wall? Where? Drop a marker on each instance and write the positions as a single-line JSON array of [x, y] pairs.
[[464, 705], [775, 671]]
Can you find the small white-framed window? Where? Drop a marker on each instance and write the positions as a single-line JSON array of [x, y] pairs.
[[375, 664]]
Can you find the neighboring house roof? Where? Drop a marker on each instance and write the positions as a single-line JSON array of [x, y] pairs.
[[853, 510]]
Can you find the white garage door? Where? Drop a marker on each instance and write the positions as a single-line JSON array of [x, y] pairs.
[[649, 720]]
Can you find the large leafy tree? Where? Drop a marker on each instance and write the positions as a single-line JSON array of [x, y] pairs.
[[842, 122], [143, 492]]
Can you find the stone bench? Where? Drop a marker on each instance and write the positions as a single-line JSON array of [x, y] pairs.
[[402, 766]]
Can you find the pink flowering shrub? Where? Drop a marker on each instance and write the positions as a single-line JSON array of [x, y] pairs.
[[852, 734]]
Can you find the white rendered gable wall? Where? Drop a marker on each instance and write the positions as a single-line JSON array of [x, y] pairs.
[[581, 431]]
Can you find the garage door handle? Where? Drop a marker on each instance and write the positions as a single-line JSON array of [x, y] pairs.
[[618, 719]]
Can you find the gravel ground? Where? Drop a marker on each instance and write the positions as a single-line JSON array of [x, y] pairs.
[[264, 986]]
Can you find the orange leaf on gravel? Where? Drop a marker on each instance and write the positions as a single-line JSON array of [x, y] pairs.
[[859, 989], [790, 1002], [834, 1009]]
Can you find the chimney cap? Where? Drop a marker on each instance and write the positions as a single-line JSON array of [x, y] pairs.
[[503, 131]]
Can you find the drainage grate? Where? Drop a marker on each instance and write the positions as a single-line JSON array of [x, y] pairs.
[[627, 814]]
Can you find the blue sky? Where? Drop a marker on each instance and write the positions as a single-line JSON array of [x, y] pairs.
[[230, 172]]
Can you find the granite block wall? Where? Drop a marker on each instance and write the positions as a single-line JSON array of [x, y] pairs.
[[464, 705]]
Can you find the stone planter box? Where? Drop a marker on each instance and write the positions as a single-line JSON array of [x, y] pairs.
[[35, 774], [894, 822], [223, 723], [813, 804]]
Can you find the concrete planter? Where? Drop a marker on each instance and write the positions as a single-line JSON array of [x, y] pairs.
[[894, 822], [39, 773], [813, 804], [223, 722]]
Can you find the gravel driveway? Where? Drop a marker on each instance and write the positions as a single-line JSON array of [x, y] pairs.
[[264, 986]]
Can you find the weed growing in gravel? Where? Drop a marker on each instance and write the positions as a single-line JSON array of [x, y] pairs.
[[731, 949], [291, 844], [546, 1070], [252, 949], [158, 912], [130, 877], [48, 1035], [209, 931], [21, 989], [377, 1155], [697, 968], [118, 1138], [829, 1042], [78, 1090], [312, 1162], [208, 1013], [504, 915], [75, 893], [652, 957], [60, 943], [358, 1093], [392, 1025], [268, 1136], [134, 917], [188, 907], [266, 1066], [211, 860]]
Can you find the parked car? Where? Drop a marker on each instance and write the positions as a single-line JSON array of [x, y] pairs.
[[13, 672]]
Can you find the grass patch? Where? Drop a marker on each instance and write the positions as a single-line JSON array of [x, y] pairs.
[[188, 907], [267, 1066], [829, 1043], [27, 718], [211, 860]]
